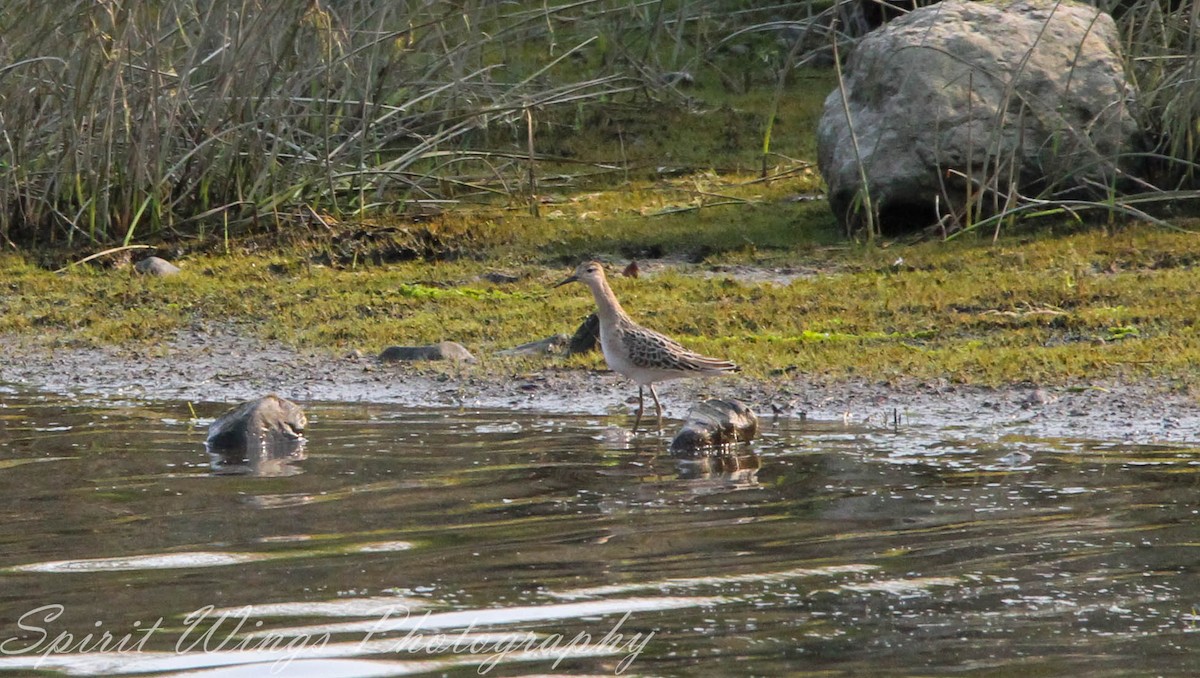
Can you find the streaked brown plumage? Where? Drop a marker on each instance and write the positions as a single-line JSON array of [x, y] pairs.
[[637, 352]]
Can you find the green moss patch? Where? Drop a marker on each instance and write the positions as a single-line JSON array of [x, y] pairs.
[[1049, 308]]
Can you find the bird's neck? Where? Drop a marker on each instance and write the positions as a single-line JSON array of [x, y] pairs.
[[608, 309]]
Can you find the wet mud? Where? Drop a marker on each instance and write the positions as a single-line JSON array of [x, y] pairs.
[[227, 365]]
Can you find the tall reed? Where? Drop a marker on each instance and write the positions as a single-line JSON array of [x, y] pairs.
[[1162, 45], [123, 119]]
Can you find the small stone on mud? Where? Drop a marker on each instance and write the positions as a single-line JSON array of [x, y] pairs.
[[498, 278], [446, 350], [1036, 397], [156, 266]]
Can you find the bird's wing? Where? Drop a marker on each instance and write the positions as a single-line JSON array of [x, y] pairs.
[[648, 348]]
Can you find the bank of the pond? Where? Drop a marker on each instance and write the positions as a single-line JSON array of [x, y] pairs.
[[227, 364]]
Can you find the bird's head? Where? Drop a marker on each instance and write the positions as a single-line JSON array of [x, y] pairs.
[[588, 273]]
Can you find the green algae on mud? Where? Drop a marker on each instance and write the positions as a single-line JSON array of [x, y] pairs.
[[1046, 309]]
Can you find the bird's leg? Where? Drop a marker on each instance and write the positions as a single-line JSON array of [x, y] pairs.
[[657, 406], [638, 419]]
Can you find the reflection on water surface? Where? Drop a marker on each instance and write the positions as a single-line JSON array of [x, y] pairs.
[[447, 542]]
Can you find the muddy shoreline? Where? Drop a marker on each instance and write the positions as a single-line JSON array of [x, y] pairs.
[[224, 365]]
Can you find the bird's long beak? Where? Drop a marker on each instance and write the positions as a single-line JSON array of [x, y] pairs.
[[564, 281]]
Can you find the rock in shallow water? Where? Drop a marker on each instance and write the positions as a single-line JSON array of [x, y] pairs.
[[258, 437], [269, 416], [713, 425]]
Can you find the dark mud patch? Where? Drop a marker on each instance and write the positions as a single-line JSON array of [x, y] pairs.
[[225, 364]]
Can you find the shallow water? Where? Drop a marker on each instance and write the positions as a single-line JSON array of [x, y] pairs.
[[512, 543]]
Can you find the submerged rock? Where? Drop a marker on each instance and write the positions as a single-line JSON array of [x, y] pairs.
[[713, 425], [446, 350], [156, 266], [258, 437]]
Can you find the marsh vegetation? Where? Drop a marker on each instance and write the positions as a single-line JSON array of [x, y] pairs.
[[338, 175]]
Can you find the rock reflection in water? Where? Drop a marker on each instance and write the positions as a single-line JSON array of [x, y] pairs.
[[723, 471], [262, 457]]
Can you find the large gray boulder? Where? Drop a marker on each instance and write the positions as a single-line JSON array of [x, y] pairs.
[[1033, 91]]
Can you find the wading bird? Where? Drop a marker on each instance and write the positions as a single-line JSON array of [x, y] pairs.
[[636, 352]]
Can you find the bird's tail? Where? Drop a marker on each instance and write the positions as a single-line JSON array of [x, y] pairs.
[[714, 365]]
